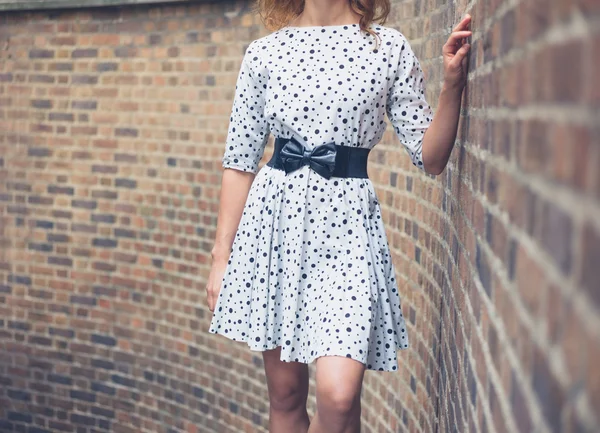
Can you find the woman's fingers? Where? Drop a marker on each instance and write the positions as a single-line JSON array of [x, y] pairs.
[[463, 24], [209, 298], [458, 59], [453, 44]]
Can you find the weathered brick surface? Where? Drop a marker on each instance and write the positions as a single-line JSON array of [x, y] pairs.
[[112, 122]]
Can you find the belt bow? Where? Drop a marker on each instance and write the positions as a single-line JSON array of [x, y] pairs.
[[321, 158]]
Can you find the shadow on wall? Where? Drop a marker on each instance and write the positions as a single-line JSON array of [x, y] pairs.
[[112, 124]]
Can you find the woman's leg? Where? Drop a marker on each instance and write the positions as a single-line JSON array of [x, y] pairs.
[[339, 384], [288, 390]]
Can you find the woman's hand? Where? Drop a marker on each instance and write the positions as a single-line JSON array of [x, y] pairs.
[[455, 55], [215, 278]]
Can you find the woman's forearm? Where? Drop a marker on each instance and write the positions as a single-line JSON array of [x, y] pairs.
[[441, 134], [235, 185]]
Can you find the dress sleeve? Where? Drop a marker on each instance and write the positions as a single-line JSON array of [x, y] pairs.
[[406, 105], [248, 131]]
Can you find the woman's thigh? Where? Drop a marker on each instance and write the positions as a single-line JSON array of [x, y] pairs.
[[287, 381]]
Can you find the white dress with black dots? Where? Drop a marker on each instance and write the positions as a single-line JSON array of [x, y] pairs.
[[310, 267]]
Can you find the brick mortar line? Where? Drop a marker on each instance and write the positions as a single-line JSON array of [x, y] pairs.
[[549, 112]]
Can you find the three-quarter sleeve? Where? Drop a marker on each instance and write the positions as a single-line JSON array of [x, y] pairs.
[[248, 131], [406, 105]]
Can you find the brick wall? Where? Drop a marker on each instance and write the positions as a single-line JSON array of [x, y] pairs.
[[112, 123]]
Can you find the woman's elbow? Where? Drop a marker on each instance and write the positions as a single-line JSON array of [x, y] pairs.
[[433, 168]]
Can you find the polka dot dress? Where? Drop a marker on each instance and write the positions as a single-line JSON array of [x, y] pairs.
[[310, 268]]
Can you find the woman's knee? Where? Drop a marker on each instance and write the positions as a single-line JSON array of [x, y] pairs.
[[339, 384], [287, 397], [337, 400], [287, 382]]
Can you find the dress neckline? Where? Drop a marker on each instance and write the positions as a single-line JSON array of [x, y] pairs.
[[353, 25]]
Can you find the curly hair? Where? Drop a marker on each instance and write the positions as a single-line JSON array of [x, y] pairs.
[[276, 14]]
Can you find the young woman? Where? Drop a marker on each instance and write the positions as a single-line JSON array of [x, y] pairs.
[[301, 268]]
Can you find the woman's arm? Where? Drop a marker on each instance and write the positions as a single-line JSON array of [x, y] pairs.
[[247, 137], [235, 185], [439, 138]]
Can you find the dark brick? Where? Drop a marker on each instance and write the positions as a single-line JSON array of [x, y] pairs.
[[103, 412], [105, 194], [60, 261], [104, 218], [84, 204], [41, 103], [82, 395], [548, 390], [590, 269], [42, 341], [125, 381], [125, 51], [84, 79], [21, 326], [36, 199], [59, 378], [42, 78], [125, 183], [122, 233], [557, 233], [37, 53], [105, 169], [412, 315], [198, 392], [105, 243], [44, 224], [32, 429], [483, 270], [61, 117], [61, 67], [154, 39], [512, 258], [125, 157], [19, 279], [17, 394], [519, 405], [84, 300], [126, 132], [84, 53], [57, 238], [84, 105], [60, 426], [103, 364], [82, 419], [104, 339], [56, 189], [20, 417]]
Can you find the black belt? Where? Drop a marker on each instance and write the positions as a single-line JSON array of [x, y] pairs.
[[329, 160]]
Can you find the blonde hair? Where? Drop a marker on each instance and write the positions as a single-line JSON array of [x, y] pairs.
[[276, 14]]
